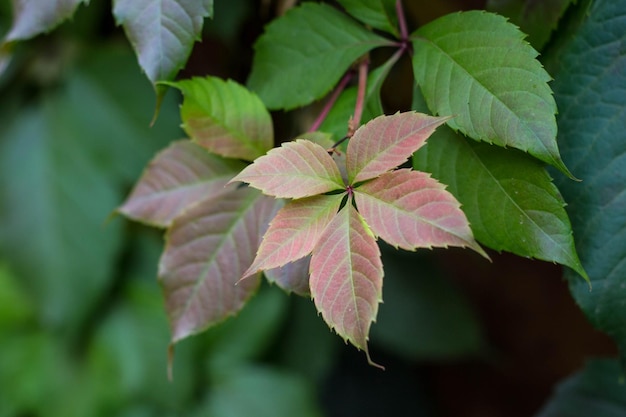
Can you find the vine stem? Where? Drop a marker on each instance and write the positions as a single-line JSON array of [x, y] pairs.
[[331, 101], [355, 121], [404, 33]]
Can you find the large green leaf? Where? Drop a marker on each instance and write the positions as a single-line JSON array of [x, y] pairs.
[[590, 88], [476, 67], [32, 17], [162, 32], [379, 14], [304, 53], [508, 197], [597, 390]]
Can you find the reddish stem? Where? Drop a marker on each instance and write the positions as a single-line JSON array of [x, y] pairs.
[[360, 98], [331, 101], [404, 33]]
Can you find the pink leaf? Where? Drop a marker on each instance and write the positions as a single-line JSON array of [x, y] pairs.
[[295, 170], [346, 277], [178, 177], [295, 231], [411, 210], [387, 142], [208, 248], [293, 277]]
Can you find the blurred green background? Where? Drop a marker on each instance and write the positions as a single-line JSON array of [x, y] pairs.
[[82, 326]]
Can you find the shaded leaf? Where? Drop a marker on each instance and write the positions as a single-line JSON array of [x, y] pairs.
[[408, 209], [225, 118], [208, 249], [178, 177], [590, 89], [292, 277], [16, 307], [597, 390], [32, 17], [347, 276], [508, 197], [162, 32], [295, 170], [386, 142], [295, 231], [379, 14], [476, 66], [304, 53]]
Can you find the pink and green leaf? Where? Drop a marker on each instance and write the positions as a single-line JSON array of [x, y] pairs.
[[207, 249], [295, 170], [178, 177], [411, 210], [292, 277], [295, 231], [387, 142], [346, 277]]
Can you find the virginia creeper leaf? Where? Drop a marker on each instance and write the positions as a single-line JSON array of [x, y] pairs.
[[477, 67], [225, 118], [590, 89], [293, 277], [346, 277], [386, 142], [408, 209], [304, 53], [178, 177], [379, 14], [32, 17], [208, 248], [508, 197], [536, 18], [295, 170], [295, 231], [162, 32]]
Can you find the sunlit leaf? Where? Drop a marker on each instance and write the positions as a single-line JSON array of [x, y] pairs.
[[304, 53], [386, 142], [295, 231], [32, 17], [178, 177], [379, 14], [293, 277], [225, 118], [162, 32], [295, 170], [347, 276], [477, 67], [408, 209], [208, 249]]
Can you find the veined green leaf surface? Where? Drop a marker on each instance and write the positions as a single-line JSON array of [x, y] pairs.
[[225, 118], [477, 67], [590, 88], [379, 14], [32, 17], [304, 53]]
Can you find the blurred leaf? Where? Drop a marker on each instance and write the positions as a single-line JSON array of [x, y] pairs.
[[590, 89], [500, 96], [292, 277], [15, 305], [536, 18], [32, 17], [423, 317], [304, 53], [225, 118], [379, 14], [598, 390]]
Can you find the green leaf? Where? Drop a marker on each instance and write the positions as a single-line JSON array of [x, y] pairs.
[[590, 89], [225, 118], [508, 197], [162, 32], [15, 305], [379, 14], [597, 390], [32, 17], [536, 18], [208, 248], [476, 67], [304, 53]]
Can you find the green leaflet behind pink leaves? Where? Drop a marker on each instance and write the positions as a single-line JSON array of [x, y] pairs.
[[225, 118], [208, 248], [179, 176], [295, 231], [347, 276], [386, 142], [295, 170], [409, 209]]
